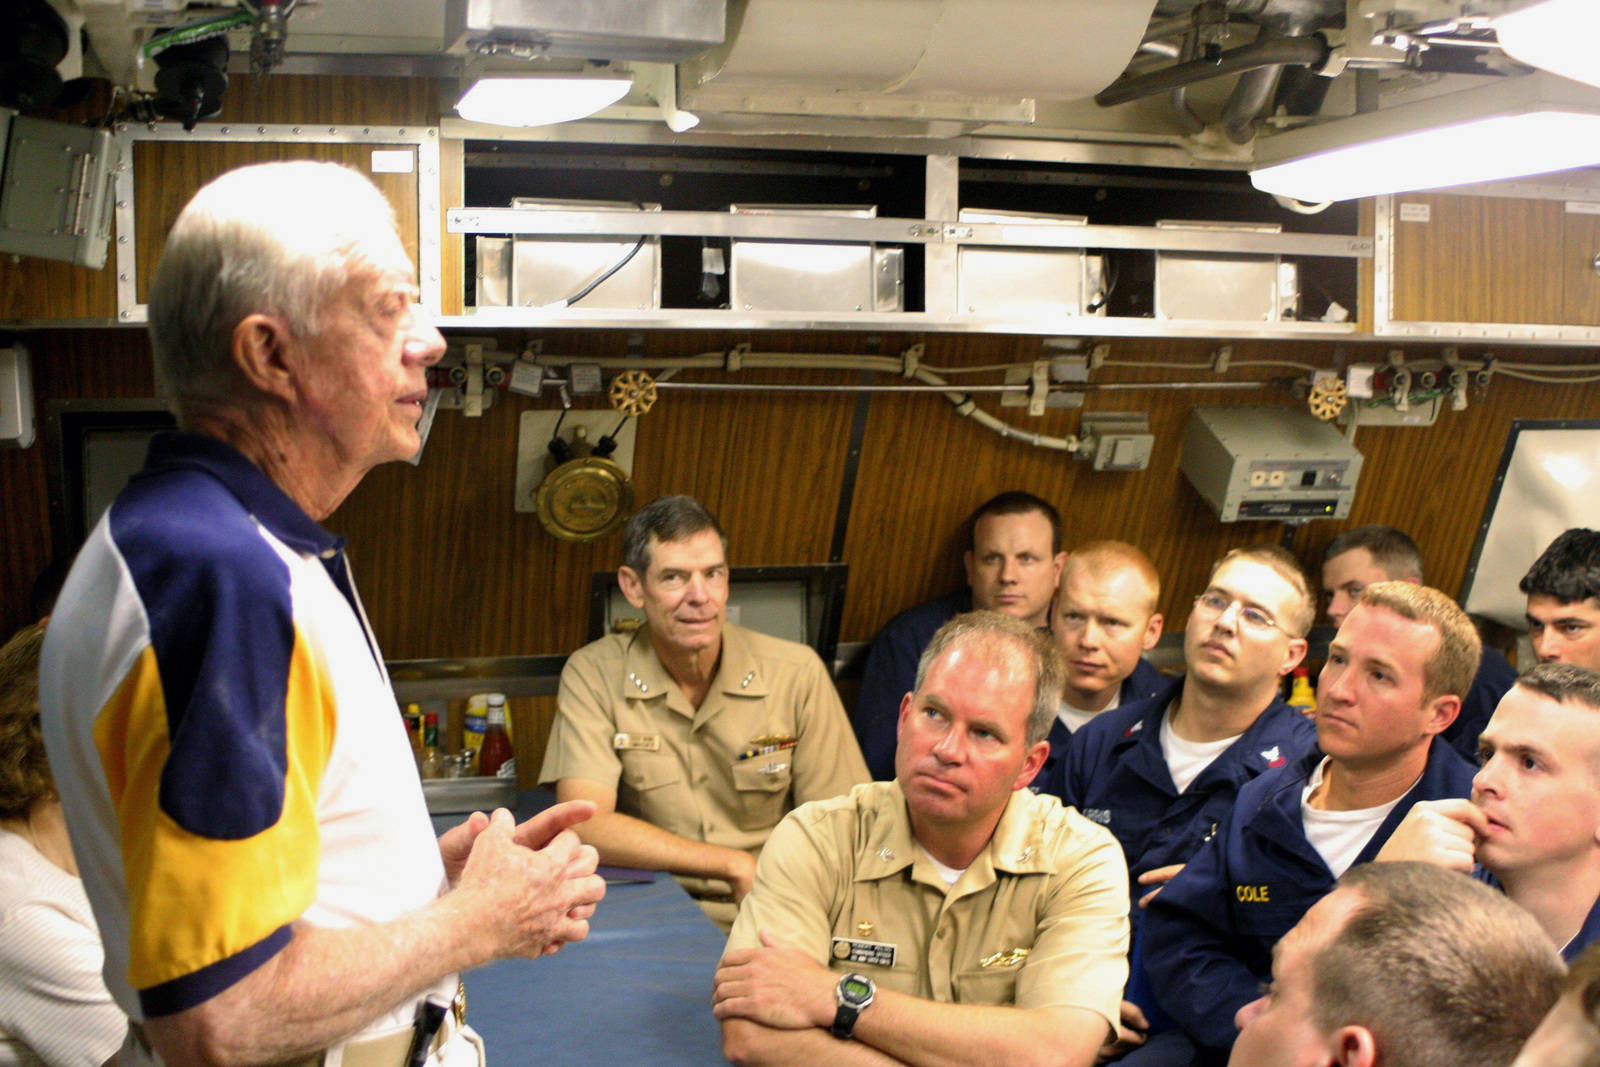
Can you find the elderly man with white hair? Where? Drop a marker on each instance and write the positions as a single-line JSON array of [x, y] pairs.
[[245, 811]]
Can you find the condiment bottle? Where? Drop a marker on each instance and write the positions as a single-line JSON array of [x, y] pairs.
[[432, 761], [495, 755], [1301, 695]]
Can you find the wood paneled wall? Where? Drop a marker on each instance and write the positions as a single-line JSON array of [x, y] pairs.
[[1495, 259], [168, 172], [167, 175], [449, 569]]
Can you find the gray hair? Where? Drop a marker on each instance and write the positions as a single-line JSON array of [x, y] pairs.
[[275, 238], [1441, 969], [1014, 640], [666, 518]]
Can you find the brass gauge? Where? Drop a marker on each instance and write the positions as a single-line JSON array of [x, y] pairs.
[[584, 499]]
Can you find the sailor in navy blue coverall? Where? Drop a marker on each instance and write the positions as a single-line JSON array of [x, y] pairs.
[[1208, 934], [1388, 691], [1137, 688], [1115, 774], [1240, 640], [1367, 555], [1531, 826], [1013, 563], [1105, 618]]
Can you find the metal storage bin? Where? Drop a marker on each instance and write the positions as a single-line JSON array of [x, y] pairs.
[[539, 271], [1221, 286], [813, 276], [1025, 282]]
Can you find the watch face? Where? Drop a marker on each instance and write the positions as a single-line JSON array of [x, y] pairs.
[[855, 989]]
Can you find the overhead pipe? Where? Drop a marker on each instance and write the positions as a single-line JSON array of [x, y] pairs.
[[1310, 51], [1187, 118], [1251, 95]]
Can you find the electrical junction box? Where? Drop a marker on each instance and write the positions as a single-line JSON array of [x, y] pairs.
[[1117, 440], [1276, 463], [56, 189]]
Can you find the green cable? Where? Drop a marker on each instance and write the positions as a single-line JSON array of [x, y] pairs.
[[198, 32]]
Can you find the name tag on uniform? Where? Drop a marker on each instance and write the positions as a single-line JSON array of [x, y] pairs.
[[872, 953], [636, 742]]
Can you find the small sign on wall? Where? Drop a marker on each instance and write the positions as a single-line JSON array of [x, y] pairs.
[[1414, 212], [391, 161]]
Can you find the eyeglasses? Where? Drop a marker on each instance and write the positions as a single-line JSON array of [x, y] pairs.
[[1216, 604]]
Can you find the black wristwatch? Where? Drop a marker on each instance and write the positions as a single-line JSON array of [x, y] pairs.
[[854, 992]]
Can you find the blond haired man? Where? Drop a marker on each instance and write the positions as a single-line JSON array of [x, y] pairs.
[[1392, 684], [1161, 773], [947, 916]]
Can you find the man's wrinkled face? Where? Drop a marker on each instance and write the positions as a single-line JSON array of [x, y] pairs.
[[1104, 620], [963, 746], [1539, 784], [1013, 566], [683, 593], [1565, 631], [363, 374], [1279, 1029], [1344, 577]]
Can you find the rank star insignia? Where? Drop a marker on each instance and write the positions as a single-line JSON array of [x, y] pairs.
[[863, 929]]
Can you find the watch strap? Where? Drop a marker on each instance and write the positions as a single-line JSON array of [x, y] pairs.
[[844, 1021]]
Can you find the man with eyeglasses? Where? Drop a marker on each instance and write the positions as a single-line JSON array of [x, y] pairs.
[[1367, 555], [1392, 684], [1161, 774]]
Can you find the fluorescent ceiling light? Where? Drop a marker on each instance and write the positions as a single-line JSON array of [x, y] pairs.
[[539, 99], [1528, 125], [1555, 35]]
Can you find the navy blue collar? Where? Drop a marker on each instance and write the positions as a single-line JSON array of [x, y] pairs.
[[261, 497], [1587, 935]]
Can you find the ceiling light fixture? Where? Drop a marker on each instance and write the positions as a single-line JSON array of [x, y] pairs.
[[1533, 124], [540, 98], [1554, 35]]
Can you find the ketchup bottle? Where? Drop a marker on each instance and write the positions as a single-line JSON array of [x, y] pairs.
[[496, 757]]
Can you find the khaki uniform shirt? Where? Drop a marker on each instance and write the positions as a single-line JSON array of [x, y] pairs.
[[770, 734], [1039, 919]]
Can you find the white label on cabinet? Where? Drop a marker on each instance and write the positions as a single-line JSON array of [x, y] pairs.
[[1583, 207], [391, 161], [1415, 212]]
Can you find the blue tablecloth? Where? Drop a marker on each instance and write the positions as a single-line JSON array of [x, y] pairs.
[[636, 991]]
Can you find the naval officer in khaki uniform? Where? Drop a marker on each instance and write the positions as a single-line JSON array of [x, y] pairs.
[[692, 736], [950, 915]]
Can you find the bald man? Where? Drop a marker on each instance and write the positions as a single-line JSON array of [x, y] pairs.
[[1104, 620]]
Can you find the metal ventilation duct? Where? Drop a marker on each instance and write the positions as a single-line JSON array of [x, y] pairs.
[[664, 31], [1040, 49]]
